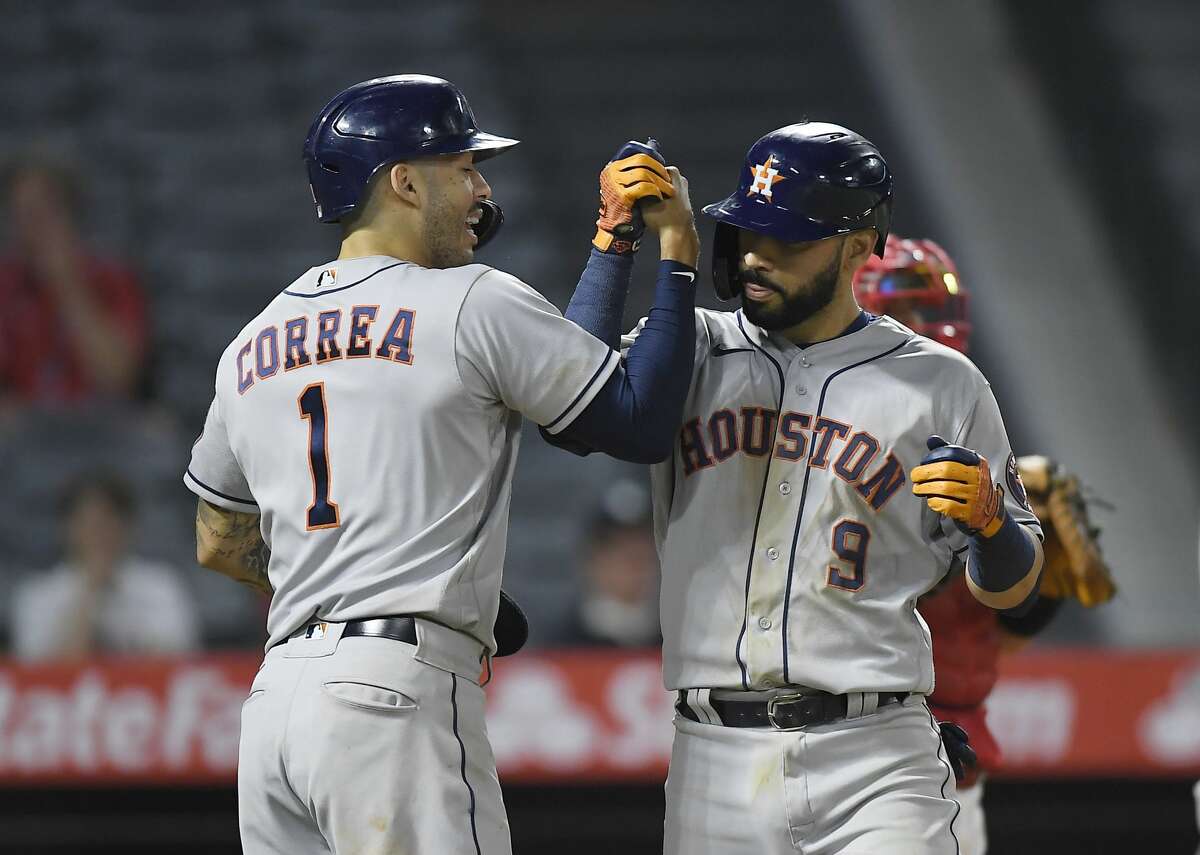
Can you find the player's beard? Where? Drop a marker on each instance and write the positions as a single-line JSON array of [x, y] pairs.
[[442, 232], [796, 308]]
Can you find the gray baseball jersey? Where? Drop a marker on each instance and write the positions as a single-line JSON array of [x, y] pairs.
[[792, 548], [371, 415]]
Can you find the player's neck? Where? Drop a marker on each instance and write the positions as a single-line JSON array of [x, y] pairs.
[[367, 241], [829, 322]]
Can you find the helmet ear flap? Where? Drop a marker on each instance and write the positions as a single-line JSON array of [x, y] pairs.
[[491, 218], [883, 225], [727, 281]]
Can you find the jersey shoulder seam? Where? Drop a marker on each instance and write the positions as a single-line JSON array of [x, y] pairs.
[[457, 322]]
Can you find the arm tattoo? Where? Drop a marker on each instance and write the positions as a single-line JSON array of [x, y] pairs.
[[234, 544]]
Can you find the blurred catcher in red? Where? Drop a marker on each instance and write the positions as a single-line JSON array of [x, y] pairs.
[[917, 283]]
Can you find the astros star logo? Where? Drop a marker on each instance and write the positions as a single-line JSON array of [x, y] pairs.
[[765, 175]]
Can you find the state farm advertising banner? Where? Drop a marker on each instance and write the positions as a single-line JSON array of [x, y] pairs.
[[571, 716]]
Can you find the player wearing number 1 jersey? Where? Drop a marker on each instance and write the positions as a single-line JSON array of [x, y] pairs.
[[357, 463], [830, 468]]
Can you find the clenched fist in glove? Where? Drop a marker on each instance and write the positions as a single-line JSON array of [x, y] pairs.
[[637, 171], [963, 759], [956, 482]]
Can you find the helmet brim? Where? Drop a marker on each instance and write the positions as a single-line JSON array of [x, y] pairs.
[[755, 215], [486, 145], [482, 145]]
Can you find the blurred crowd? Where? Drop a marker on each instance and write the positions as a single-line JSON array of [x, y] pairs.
[[77, 336], [74, 323]]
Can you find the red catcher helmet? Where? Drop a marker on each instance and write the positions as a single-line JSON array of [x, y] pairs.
[[916, 283]]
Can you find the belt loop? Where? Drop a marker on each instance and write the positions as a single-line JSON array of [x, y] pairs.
[[855, 701], [700, 702], [870, 702]]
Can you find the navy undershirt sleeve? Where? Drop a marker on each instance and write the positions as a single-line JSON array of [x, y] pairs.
[[998, 562], [598, 303], [636, 413], [1036, 618]]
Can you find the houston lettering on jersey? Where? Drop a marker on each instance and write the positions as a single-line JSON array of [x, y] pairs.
[[322, 337], [706, 443]]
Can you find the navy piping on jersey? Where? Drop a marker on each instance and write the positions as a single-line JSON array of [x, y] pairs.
[[949, 771], [737, 650], [462, 751], [719, 351], [343, 287], [583, 391], [863, 320], [219, 493], [787, 594]]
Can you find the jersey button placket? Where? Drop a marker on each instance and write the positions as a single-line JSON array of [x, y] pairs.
[[801, 364]]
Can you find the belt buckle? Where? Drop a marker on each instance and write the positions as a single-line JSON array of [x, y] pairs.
[[772, 703]]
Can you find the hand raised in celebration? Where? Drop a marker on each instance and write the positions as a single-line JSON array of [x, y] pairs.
[[637, 172]]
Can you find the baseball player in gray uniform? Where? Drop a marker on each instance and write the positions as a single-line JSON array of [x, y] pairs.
[[793, 545], [357, 458]]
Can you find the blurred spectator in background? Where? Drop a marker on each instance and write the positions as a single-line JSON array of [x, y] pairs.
[[619, 603], [101, 598], [73, 324]]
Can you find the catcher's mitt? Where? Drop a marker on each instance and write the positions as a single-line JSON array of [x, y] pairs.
[[1074, 567]]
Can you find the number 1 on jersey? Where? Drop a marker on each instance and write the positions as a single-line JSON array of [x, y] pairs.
[[322, 513]]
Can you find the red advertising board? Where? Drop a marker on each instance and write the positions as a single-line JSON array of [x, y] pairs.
[[572, 716], [1099, 712]]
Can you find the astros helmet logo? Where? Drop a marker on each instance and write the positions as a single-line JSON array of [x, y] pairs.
[[765, 175]]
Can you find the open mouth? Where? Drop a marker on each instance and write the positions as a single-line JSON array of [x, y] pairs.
[[471, 222], [758, 293]]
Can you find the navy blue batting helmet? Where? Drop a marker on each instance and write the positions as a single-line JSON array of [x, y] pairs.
[[803, 182], [379, 122]]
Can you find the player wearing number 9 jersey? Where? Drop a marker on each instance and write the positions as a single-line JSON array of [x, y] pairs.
[[357, 462], [829, 470]]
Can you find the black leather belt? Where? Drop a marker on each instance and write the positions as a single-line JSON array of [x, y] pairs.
[[782, 712], [401, 628]]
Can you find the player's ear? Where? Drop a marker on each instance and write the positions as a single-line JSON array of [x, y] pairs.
[[406, 183], [857, 249]]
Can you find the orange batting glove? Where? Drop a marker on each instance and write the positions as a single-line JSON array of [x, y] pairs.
[[638, 171], [956, 482]]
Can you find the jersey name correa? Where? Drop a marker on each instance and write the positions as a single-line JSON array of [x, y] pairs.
[[371, 414]]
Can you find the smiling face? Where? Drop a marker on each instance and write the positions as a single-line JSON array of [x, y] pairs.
[[785, 284], [453, 189]]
